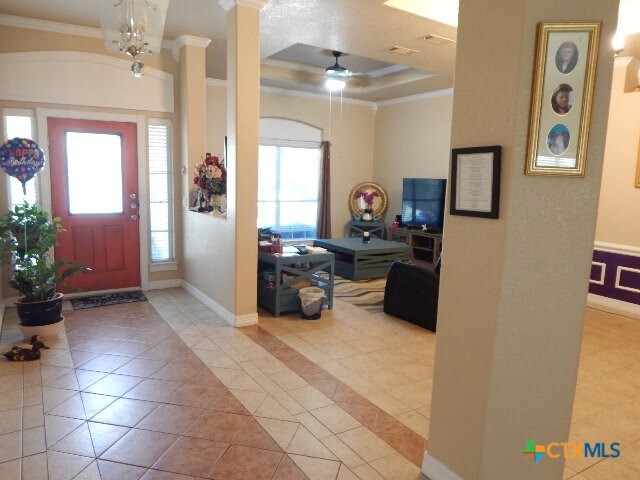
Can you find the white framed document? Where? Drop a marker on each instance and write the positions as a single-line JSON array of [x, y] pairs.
[[475, 181]]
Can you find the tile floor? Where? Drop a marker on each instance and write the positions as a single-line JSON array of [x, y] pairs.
[[164, 390]]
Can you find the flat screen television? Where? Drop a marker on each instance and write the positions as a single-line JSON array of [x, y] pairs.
[[423, 201]]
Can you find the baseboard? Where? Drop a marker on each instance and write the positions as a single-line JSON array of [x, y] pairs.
[[612, 305], [246, 320], [160, 284], [227, 316], [434, 470]]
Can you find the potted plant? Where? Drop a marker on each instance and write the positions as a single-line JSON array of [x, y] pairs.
[[27, 237]]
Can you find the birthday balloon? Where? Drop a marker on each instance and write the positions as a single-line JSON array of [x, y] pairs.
[[21, 158]]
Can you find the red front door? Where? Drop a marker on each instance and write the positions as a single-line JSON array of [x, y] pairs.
[[94, 191]]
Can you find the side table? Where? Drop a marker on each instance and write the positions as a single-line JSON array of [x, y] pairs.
[[290, 273], [357, 227]]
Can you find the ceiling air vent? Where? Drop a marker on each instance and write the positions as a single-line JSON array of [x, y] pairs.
[[403, 50], [436, 39]]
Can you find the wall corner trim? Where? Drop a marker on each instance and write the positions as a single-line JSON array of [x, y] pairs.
[[434, 470], [230, 318]]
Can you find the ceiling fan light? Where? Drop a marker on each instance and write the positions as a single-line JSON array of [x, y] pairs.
[[334, 84]]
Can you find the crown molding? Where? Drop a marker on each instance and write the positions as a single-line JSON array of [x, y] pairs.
[[57, 27], [189, 40], [216, 82], [317, 96], [229, 4], [49, 26], [420, 96]]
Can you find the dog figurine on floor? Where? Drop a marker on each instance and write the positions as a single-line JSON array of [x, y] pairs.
[[23, 354]]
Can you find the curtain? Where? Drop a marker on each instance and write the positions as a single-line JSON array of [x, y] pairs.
[[324, 197]]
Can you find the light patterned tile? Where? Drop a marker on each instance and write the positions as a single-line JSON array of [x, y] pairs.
[[310, 398], [317, 468], [335, 418], [397, 467], [416, 422], [271, 408], [366, 444], [304, 443], [347, 456], [367, 472], [314, 425]]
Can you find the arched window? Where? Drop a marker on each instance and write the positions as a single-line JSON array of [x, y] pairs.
[[289, 170]]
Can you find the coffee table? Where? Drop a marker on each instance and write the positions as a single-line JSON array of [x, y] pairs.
[[356, 260]]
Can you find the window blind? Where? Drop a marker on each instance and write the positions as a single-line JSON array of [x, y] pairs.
[[160, 191], [288, 189]]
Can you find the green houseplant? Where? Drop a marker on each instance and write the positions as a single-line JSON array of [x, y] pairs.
[[27, 237]]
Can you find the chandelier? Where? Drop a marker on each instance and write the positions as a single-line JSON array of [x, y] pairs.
[[134, 28]]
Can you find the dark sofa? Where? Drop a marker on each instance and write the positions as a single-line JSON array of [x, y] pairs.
[[411, 293]]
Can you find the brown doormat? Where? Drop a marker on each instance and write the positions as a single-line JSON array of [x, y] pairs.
[[108, 299]]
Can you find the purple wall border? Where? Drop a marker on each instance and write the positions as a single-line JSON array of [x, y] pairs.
[[619, 274]]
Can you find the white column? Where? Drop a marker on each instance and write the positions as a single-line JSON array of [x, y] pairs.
[[243, 119], [513, 289]]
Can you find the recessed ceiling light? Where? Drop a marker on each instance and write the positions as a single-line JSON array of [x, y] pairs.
[[403, 50], [436, 39], [443, 11]]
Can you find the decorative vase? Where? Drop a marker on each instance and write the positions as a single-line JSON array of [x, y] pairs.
[[216, 202], [367, 215]]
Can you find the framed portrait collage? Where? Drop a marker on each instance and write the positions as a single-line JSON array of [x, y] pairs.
[[563, 82]]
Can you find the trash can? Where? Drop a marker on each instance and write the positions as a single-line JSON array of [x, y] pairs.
[[311, 299]]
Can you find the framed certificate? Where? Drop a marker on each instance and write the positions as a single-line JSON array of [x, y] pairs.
[[475, 181]]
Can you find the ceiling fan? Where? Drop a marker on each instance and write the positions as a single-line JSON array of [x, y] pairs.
[[336, 74]]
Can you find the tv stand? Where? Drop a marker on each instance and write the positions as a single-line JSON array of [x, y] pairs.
[[425, 246]]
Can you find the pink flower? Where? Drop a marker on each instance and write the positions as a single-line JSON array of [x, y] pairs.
[[367, 197]]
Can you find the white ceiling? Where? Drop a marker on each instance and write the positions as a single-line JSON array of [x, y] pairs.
[[297, 37], [307, 31]]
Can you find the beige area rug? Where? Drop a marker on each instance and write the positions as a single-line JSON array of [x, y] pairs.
[[366, 294]]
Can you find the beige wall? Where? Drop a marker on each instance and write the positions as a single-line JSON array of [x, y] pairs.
[[411, 140], [13, 39], [619, 199], [350, 130], [513, 292], [351, 133]]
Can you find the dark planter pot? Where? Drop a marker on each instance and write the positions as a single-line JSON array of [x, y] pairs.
[[36, 314]]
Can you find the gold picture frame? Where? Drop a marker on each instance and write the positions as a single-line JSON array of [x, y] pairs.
[[563, 82]]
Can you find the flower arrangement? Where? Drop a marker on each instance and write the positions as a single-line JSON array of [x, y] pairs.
[[368, 198], [210, 176]]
